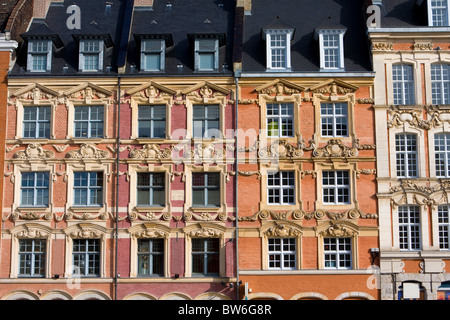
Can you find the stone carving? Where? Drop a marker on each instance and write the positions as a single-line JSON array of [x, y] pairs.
[[85, 232], [280, 87], [204, 232], [281, 230], [150, 151], [337, 230], [149, 216], [334, 87], [280, 149], [335, 148], [88, 151], [32, 233], [34, 151], [421, 46], [382, 46]]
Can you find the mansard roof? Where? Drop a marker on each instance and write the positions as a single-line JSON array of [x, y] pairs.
[[305, 17]]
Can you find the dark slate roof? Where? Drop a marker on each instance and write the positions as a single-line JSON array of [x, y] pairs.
[[305, 16], [181, 19], [404, 13], [6, 7], [98, 17]]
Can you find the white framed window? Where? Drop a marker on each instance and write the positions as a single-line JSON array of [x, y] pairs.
[[438, 13], [88, 188], [409, 227], [337, 253], [153, 54], [36, 122], [334, 119], [282, 253], [32, 257], [440, 83], [150, 257], [406, 155], [88, 121], [444, 227], [34, 189], [206, 121], [39, 55], [403, 84], [152, 121], [281, 188], [151, 190], [442, 154], [86, 257], [91, 55], [205, 189], [206, 54], [331, 46], [205, 256], [278, 48], [280, 119], [336, 187]]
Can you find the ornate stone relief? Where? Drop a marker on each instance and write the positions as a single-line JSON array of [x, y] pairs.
[[149, 92], [31, 232], [150, 151], [335, 148], [88, 151], [337, 230], [334, 87], [36, 93], [150, 216], [423, 46], [88, 92], [382, 46], [414, 117], [205, 91], [282, 230], [34, 151], [280, 87], [427, 196], [149, 231], [85, 231], [299, 214], [204, 216], [205, 232]]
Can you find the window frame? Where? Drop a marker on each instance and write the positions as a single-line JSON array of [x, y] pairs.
[[446, 14], [407, 227], [83, 52], [402, 97], [286, 48], [151, 187], [89, 122], [440, 87], [47, 53], [338, 252], [144, 51], [151, 120], [33, 261], [37, 122], [282, 253], [35, 188], [281, 187], [198, 51], [88, 189], [336, 188], [279, 118], [406, 167], [443, 223], [206, 187], [443, 156], [339, 33], [206, 255], [87, 253], [151, 254], [334, 118], [205, 120]]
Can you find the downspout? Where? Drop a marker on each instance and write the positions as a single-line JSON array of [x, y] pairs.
[[236, 161], [116, 235]]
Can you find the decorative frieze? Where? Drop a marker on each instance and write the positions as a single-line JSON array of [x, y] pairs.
[[88, 151], [34, 151], [335, 148]]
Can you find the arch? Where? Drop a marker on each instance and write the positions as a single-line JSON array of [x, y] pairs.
[[355, 295], [264, 296], [56, 295], [91, 295], [309, 295], [212, 296], [139, 296], [175, 296], [20, 295]]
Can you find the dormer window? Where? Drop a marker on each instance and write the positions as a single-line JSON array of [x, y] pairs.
[[39, 55], [206, 51], [331, 43], [438, 13], [91, 55], [278, 48], [152, 54]]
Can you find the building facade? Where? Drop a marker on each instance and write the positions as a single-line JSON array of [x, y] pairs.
[[308, 225], [410, 48]]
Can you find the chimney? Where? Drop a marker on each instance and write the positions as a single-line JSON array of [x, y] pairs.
[[246, 4], [143, 3], [40, 7]]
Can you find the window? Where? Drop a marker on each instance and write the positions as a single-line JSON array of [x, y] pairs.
[[206, 120], [281, 187], [39, 55], [336, 187], [442, 154], [89, 122], [206, 189], [86, 257], [337, 253], [151, 189], [206, 54], [88, 188], [403, 84], [205, 257], [152, 54], [409, 227], [35, 189], [438, 13], [334, 119], [440, 83], [406, 155], [282, 253], [32, 257], [152, 121], [150, 257], [278, 48], [331, 43], [280, 118], [36, 122], [91, 55], [444, 227]]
